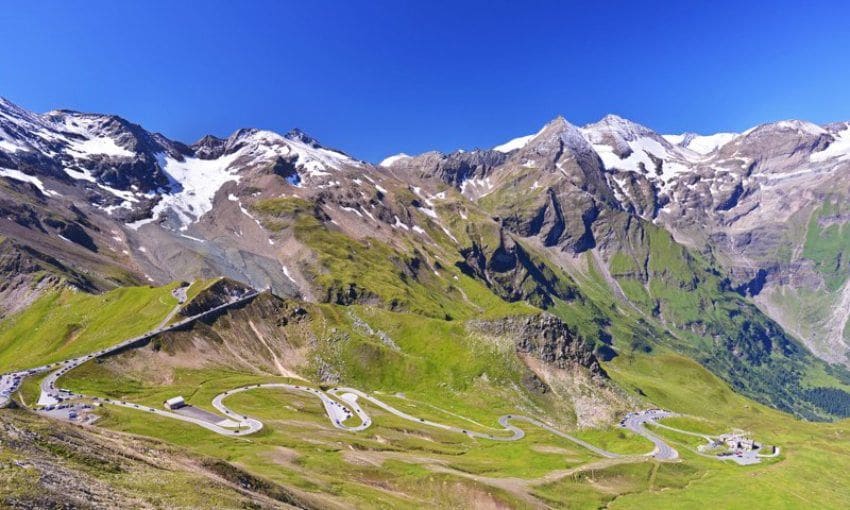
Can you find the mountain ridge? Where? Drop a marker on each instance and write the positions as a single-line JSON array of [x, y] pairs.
[[122, 205]]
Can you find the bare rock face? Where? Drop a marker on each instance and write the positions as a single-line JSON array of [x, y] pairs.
[[561, 366], [454, 168], [221, 292], [546, 338], [515, 274]]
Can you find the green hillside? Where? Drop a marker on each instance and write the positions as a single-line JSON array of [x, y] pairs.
[[67, 323]]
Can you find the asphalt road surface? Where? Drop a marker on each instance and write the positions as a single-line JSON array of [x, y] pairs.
[[635, 423]]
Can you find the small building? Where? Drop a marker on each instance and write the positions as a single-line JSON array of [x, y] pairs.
[[737, 442], [175, 403]]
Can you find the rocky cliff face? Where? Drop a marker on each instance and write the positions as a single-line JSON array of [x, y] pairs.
[[546, 338], [514, 273], [561, 366]]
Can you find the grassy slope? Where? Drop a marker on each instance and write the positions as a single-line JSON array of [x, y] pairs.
[[437, 361], [809, 474], [827, 244], [63, 324], [820, 240], [98, 468], [812, 464], [443, 372], [716, 326]]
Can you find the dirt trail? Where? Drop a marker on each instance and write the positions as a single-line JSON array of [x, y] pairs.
[[282, 370], [611, 281]]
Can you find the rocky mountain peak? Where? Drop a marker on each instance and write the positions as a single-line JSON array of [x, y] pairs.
[[623, 137], [300, 136], [209, 147], [784, 138], [555, 137], [112, 134], [11, 111], [616, 126]]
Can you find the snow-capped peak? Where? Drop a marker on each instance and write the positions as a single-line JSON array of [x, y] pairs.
[[615, 125], [793, 127], [802, 126], [558, 126]]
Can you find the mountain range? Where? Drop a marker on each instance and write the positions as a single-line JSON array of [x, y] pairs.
[[731, 249], [765, 207]]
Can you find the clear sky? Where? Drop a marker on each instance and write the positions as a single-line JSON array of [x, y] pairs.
[[376, 78]]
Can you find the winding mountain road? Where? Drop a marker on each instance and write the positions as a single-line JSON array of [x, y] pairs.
[[51, 395], [340, 404]]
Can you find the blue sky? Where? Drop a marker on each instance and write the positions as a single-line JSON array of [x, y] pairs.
[[383, 77]]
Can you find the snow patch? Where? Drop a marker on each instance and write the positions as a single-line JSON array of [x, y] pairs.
[[476, 185], [840, 148], [400, 224], [516, 143], [702, 145], [20, 176], [428, 212], [393, 159], [418, 191], [8, 146], [80, 174], [286, 273], [110, 209], [99, 146], [193, 238], [448, 233], [352, 210], [197, 181]]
